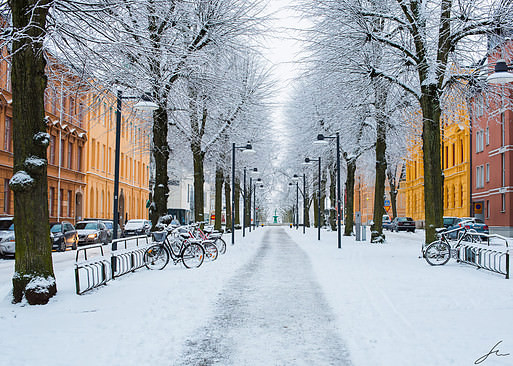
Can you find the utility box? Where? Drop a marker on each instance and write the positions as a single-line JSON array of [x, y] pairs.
[[357, 224]]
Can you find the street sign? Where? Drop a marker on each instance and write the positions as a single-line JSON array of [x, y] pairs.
[[387, 203], [212, 217]]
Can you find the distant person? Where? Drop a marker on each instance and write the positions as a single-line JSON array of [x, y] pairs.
[[175, 221]]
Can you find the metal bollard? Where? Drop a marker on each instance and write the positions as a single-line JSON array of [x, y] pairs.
[[364, 233]]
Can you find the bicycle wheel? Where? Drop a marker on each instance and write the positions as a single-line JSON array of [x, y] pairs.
[[156, 257], [221, 245], [193, 255], [211, 251], [438, 253]]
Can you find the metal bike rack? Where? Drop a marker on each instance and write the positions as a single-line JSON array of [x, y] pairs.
[[488, 259], [97, 271], [129, 259]]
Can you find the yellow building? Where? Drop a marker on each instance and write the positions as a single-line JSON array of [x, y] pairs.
[[100, 159], [455, 157], [364, 199]]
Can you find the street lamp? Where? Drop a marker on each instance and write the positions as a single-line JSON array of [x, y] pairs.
[[321, 139], [500, 74], [309, 161], [245, 149], [145, 104]]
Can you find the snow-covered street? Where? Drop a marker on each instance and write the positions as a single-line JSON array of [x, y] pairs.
[[277, 297]]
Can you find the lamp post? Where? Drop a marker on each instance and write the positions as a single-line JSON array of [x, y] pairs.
[[295, 178], [247, 149], [308, 161], [145, 104], [321, 139]]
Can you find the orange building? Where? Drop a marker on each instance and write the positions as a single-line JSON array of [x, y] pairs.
[[100, 159], [81, 124], [64, 113]]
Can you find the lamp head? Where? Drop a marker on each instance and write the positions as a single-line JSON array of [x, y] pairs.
[[295, 177], [145, 104], [307, 161], [248, 149], [500, 74], [321, 140]]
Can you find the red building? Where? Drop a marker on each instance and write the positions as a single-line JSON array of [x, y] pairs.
[[492, 149]]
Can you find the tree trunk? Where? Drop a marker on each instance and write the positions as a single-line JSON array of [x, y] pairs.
[[219, 198], [306, 206], [377, 235], [161, 157], [333, 199], [237, 203], [349, 219], [247, 205], [316, 211], [198, 157], [393, 190], [323, 197], [433, 183], [228, 201], [33, 277]]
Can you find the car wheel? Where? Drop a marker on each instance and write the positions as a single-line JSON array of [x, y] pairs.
[[75, 244], [62, 247]]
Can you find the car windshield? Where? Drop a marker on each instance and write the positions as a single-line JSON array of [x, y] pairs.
[[6, 225], [108, 224], [448, 220], [56, 228], [403, 219], [87, 226]]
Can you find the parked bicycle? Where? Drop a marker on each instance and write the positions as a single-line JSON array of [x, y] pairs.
[[171, 245], [187, 232], [208, 233], [440, 251]]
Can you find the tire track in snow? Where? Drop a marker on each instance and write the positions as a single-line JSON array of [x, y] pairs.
[[272, 312]]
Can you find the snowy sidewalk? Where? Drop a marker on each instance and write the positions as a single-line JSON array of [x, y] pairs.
[[272, 312]]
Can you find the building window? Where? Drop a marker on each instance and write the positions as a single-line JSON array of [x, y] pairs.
[[70, 154], [487, 172], [446, 158], [79, 158], [461, 196], [487, 135], [479, 141], [70, 200], [7, 196], [61, 156], [503, 201], [93, 153], [51, 204], [52, 150], [61, 202], [480, 176], [461, 151], [487, 208], [8, 134]]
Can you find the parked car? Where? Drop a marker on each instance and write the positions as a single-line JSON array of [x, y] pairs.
[[137, 227], [386, 223], [469, 223], [63, 235], [110, 228], [403, 224], [449, 221], [7, 242], [92, 232]]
